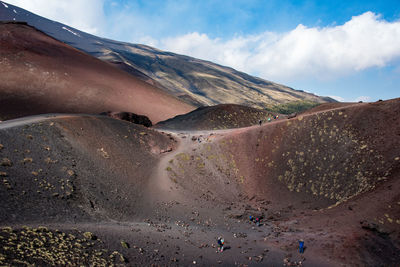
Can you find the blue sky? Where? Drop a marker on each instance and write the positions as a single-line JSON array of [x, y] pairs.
[[226, 18], [346, 49]]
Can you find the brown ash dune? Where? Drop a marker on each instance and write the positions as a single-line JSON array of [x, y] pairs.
[[42, 75], [331, 177], [223, 116]]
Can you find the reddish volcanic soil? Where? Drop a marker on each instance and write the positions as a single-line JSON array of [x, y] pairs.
[[118, 193], [42, 75]]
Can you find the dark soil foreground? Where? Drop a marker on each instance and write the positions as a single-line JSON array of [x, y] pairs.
[[93, 190]]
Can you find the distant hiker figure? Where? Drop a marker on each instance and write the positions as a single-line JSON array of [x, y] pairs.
[[269, 119], [221, 242], [301, 245], [259, 122], [257, 221], [251, 218]]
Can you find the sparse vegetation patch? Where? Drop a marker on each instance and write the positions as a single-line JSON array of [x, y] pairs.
[[292, 107], [40, 246]]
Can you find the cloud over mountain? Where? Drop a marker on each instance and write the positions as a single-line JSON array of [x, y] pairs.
[[363, 42], [327, 51]]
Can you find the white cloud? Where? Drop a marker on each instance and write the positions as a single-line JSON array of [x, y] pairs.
[[338, 98], [323, 53], [363, 99], [235, 52], [148, 40], [84, 15]]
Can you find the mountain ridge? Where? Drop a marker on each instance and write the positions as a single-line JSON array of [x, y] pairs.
[[197, 82]]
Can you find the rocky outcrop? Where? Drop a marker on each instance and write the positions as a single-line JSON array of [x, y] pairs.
[[129, 116]]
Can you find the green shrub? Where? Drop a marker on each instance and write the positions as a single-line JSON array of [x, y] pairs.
[[291, 107]]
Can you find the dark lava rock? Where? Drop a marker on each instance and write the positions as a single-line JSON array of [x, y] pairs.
[[128, 116], [374, 228]]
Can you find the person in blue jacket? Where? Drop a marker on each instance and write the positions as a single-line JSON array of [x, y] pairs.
[[301, 246]]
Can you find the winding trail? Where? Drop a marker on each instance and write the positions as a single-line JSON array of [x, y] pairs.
[[163, 188], [160, 184]]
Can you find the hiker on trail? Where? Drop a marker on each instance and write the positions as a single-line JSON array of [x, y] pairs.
[[220, 242], [251, 218], [269, 119], [257, 221], [259, 122], [301, 246]]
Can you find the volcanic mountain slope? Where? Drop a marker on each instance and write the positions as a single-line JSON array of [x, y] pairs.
[[91, 190], [223, 116], [330, 178], [40, 75], [195, 81]]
